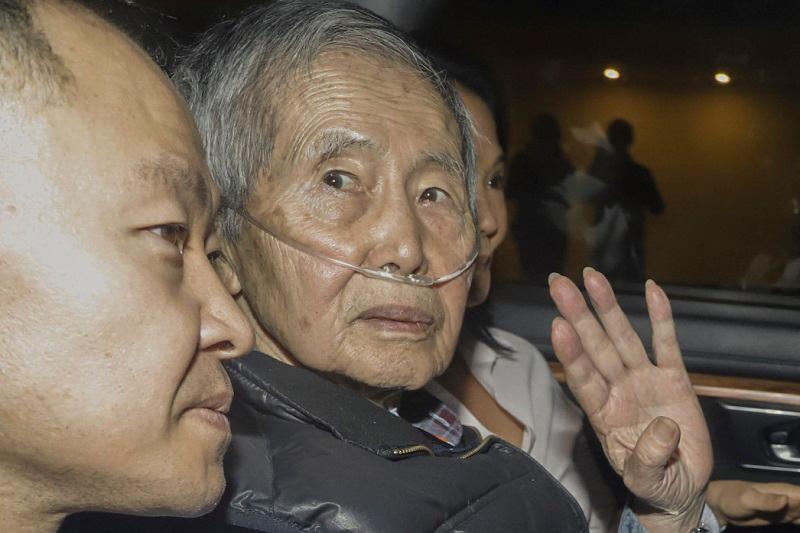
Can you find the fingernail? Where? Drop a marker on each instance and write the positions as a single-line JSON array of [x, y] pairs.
[[587, 270], [657, 291], [551, 277], [664, 431]]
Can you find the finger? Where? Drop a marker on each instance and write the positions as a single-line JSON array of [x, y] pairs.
[[615, 322], [596, 344], [583, 379], [665, 340], [789, 489], [755, 500], [645, 468]]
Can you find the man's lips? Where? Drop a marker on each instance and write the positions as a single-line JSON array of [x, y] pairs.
[[213, 409], [220, 401], [397, 318]]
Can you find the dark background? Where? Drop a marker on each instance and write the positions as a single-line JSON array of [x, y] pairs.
[[725, 157]]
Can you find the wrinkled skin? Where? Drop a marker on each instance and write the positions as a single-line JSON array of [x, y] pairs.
[[646, 415], [114, 321], [310, 313]]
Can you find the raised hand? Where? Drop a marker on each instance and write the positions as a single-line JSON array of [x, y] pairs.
[[646, 415], [744, 503]]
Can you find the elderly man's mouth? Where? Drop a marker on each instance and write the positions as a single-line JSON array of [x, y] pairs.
[[397, 318]]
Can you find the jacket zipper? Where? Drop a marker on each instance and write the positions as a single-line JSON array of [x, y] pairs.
[[410, 450], [476, 450], [419, 448]]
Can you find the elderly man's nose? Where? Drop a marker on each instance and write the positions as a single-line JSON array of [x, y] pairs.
[[399, 255], [398, 247]]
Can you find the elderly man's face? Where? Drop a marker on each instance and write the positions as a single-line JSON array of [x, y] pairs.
[[113, 320], [357, 139]]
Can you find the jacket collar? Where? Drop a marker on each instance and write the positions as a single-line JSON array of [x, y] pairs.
[[270, 386]]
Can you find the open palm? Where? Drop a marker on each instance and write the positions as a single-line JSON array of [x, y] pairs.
[[646, 415]]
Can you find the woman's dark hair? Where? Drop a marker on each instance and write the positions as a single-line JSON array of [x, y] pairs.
[[477, 321], [475, 78]]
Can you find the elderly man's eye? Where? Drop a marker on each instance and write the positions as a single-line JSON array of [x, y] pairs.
[[433, 195], [215, 257], [497, 182], [339, 180], [174, 234], [224, 271]]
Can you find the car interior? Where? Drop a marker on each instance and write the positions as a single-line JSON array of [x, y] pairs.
[[709, 93]]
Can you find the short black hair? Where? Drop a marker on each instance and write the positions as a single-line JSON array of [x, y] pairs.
[[28, 65], [30, 68]]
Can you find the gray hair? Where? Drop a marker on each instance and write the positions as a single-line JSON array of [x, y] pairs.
[[234, 77]]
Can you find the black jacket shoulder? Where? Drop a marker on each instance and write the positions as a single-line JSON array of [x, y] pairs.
[[311, 456]]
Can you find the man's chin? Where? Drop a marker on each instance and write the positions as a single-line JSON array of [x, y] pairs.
[[195, 489], [183, 505], [205, 502], [392, 376]]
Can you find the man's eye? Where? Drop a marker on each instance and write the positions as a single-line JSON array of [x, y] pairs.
[[215, 257], [497, 182], [433, 195], [339, 180], [175, 234]]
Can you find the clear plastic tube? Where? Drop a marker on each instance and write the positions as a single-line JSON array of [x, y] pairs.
[[376, 273]]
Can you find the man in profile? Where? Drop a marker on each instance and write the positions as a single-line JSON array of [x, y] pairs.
[[112, 317]]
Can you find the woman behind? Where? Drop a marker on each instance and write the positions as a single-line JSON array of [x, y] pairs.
[[501, 384]]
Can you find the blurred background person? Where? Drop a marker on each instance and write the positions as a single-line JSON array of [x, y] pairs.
[[537, 177], [631, 192]]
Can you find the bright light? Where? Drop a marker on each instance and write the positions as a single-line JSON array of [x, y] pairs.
[[611, 73], [722, 78]]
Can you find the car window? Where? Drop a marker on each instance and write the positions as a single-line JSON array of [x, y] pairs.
[[647, 139], [651, 139]]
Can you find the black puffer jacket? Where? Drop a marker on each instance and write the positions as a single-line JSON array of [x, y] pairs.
[[308, 455], [311, 456]]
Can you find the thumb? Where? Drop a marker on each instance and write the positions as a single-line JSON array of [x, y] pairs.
[[644, 469], [763, 501]]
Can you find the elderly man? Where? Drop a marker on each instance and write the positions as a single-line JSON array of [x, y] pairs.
[[346, 167], [114, 321]]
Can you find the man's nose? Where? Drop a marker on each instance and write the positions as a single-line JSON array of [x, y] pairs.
[[225, 332]]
